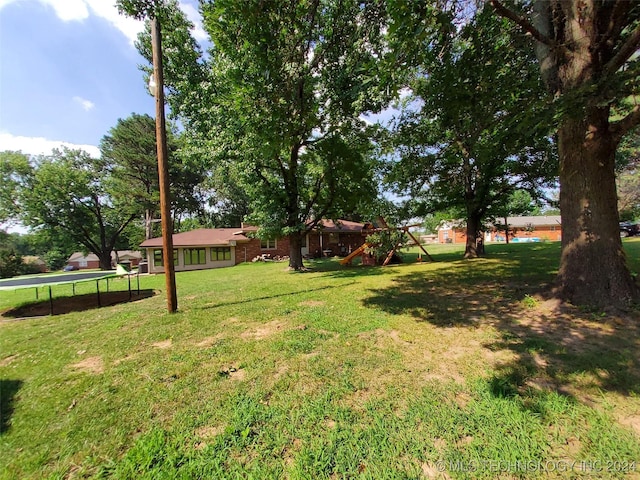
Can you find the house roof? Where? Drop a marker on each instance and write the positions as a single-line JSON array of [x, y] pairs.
[[34, 259], [128, 254], [201, 237], [340, 226], [326, 226], [525, 221], [534, 221], [92, 257]]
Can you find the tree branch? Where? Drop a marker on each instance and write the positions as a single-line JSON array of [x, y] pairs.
[[523, 22], [626, 51], [621, 127], [617, 18], [314, 199]]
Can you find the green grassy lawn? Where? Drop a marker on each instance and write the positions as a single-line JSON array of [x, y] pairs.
[[451, 369]]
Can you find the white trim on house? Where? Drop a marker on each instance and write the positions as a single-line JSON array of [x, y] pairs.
[[181, 265]]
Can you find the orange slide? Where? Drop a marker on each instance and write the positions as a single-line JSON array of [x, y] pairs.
[[347, 260]]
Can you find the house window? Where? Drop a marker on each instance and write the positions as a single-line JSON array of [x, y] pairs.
[[220, 254], [303, 241], [195, 256], [268, 244], [157, 257], [83, 264], [445, 234]]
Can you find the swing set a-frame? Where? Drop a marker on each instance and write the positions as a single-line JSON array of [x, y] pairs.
[[386, 228]]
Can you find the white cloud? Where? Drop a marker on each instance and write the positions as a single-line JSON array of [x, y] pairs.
[[79, 10], [107, 10], [40, 145], [66, 10], [193, 15], [84, 103]]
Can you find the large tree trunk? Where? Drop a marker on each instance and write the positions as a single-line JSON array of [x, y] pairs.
[[506, 231], [593, 269], [471, 248], [580, 45], [295, 252], [105, 260]]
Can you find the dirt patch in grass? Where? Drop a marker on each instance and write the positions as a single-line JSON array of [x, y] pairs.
[[118, 361], [209, 431], [93, 365], [239, 374], [209, 341], [78, 303], [631, 421], [163, 345], [264, 331]]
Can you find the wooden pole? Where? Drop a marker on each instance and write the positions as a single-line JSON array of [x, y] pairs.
[[163, 168], [419, 244]]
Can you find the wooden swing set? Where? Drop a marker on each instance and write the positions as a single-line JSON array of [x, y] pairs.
[[385, 228]]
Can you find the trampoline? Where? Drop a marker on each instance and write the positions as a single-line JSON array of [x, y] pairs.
[[47, 281]]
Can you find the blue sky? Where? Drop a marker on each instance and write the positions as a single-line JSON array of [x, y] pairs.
[[68, 72]]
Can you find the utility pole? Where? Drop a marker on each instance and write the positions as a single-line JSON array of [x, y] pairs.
[[163, 168]]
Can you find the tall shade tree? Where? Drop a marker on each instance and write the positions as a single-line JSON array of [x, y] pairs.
[[129, 152], [462, 141], [65, 193], [587, 54], [13, 167], [279, 98]]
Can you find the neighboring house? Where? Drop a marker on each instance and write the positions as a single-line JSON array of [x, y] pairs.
[[35, 262], [90, 261], [521, 229], [128, 258], [224, 247], [528, 229], [452, 231]]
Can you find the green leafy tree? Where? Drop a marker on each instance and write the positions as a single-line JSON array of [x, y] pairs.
[[587, 56], [13, 167], [382, 243], [462, 142], [10, 263], [129, 150], [279, 99], [65, 194], [55, 259], [229, 203]]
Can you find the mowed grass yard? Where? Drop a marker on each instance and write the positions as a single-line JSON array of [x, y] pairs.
[[451, 369]]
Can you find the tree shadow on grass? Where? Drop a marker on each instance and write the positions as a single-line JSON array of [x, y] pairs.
[[77, 303], [278, 295], [8, 391], [555, 347]]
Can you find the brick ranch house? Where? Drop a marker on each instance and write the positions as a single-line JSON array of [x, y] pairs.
[[521, 229], [83, 261], [206, 248]]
